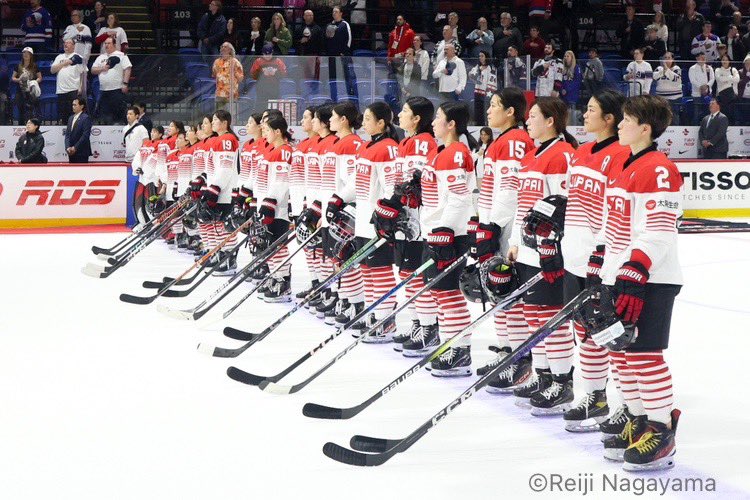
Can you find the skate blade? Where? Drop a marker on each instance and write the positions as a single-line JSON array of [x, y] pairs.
[[500, 390], [660, 464], [420, 353], [606, 436], [377, 340], [276, 300], [523, 402], [453, 372], [614, 454], [398, 347], [588, 425], [550, 412], [331, 322]]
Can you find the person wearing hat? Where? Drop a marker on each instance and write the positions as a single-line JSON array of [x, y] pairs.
[[28, 77], [228, 73], [113, 69], [30, 147], [70, 72], [268, 70]]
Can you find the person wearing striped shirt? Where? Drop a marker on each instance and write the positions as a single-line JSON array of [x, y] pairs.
[[668, 78]]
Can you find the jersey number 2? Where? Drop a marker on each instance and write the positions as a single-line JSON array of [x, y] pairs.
[[662, 178]]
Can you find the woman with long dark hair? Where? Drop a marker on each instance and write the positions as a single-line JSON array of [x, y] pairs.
[[542, 174], [201, 152], [28, 78]]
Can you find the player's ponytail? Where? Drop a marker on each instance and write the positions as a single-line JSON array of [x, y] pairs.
[[349, 111], [611, 101], [225, 116], [458, 112], [279, 123], [425, 110], [555, 108], [382, 111], [513, 97]]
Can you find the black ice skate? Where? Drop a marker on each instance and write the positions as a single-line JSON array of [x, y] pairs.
[[194, 244], [363, 325], [330, 315], [382, 334], [555, 399], [312, 305], [279, 290], [299, 297], [614, 447], [655, 449], [424, 341], [523, 394], [182, 242], [455, 362], [258, 275], [328, 304], [614, 425], [512, 377], [348, 313], [500, 354], [590, 411], [400, 338], [228, 267]]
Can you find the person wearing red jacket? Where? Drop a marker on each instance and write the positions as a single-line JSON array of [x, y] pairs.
[[401, 38]]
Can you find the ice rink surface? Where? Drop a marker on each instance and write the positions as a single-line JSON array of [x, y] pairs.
[[105, 400]]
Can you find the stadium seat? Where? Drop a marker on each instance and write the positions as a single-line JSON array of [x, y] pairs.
[[318, 100], [338, 87], [364, 88], [349, 98], [48, 108], [45, 67], [363, 53], [245, 106], [49, 85], [206, 104], [203, 86], [386, 87], [287, 87], [197, 70], [189, 51], [310, 87]]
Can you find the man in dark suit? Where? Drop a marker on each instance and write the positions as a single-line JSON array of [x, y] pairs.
[[78, 133], [713, 133]]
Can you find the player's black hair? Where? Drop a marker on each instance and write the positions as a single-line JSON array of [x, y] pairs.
[[383, 111], [513, 97], [159, 129], [458, 112], [649, 110], [324, 114], [611, 101], [349, 111], [279, 123], [555, 108], [225, 116], [179, 126], [425, 110]]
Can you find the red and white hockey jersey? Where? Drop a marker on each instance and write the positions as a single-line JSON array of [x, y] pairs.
[[184, 170], [273, 178], [498, 193], [374, 177], [592, 165], [542, 174], [412, 154], [447, 183], [141, 160], [643, 204], [222, 166], [297, 175], [173, 165], [338, 167], [312, 171], [200, 157]]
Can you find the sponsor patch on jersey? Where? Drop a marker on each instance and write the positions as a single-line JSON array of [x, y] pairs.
[[451, 178], [651, 204], [387, 170], [504, 170], [279, 168]]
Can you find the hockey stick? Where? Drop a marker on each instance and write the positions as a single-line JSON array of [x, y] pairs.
[[381, 450], [276, 388], [105, 272], [271, 273], [200, 263], [250, 379], [197, 312], [326, 412], [359, 255]]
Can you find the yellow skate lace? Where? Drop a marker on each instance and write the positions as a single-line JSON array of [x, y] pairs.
[[648, 442]]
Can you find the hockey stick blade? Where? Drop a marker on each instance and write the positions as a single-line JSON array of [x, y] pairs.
[[243, 376], [372, 444], [175, 313], [223, 352], [352, 457], [153, 284], [101, 251], [104, 256], [236, 334], [134, 299], [95, 271], [274, 388], [314, 410]]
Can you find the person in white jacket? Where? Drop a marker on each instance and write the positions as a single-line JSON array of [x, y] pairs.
[[640, 75], [668, 78], [134, 133], [450, 74], [701, 82], [727, 79]]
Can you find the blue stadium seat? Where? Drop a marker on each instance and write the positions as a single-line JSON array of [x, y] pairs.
[[207, 104], [363, 53], [349, 98], [310, 87], [197, 70], [318, 100], [387, 86], [189, 51], [245, 106], [287, 87], [49, 85], [45, 67], [48, 107], [202, 86], [364, 88], [339, 86]]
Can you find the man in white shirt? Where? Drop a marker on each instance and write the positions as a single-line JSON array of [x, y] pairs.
[[81, 36], [451, 75], [448, 39], [640, 75], [70, 71], [701, 82], [113, 68], [134, 133], [548, 73]]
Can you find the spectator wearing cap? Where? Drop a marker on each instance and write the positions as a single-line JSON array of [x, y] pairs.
[[70, 72], [480, 40], [267, 70], [505, 36], [212, 28], [113, 69], [78, 133], [279, 35], [28, 77], [30, 146], [450, 74], [81, 36], [115, 32], [37, 27], [229, 73]]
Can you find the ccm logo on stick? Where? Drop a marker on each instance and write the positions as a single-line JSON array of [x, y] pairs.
[[68, 192]]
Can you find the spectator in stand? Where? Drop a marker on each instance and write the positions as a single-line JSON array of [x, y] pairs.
[[143, 118], [211, 29], [401, 38], [268, 71], [534, 46], [98, 17], [339, 47], [653, 48], [593, 73], [485, 139], [308, 39], [505, 36], [712, 133], [228, 72], [570, 91], [409, 75], [662, 32], [640, 75], [450, 74], [727, 79], [744, 93], [133, 134], [232, 36], [28, 78], [113, 31], [71, 75], [539, 11], [293, 12], [422, 58], [30, 146], [254, 44], [723, 17], [4, 94], [514, 72], [81, 36], [548, 73], [37, 28], [668, 78], [689, 25], [448, 39], [736, 49], [701, 77], [278, 35], [113, 69], [737, 21], [480, 40], [484, 76], [78, 133], [630, 32], [358, 22], [706, 43], [458, 34]]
